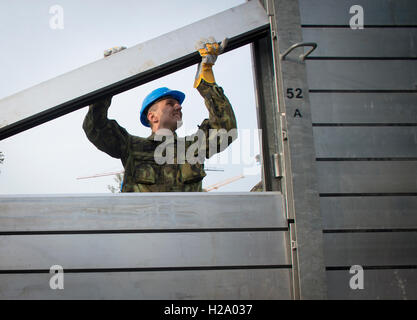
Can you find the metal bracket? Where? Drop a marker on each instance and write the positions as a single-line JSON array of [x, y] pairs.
[[293, 245], [269, 10], [284, 135], [296, 45], [277, 165], [283, 127]]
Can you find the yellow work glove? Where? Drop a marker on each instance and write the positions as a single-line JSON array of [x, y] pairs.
[[209, 49]]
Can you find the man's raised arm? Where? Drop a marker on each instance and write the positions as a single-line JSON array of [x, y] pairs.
[[107, 135], [220, 129]]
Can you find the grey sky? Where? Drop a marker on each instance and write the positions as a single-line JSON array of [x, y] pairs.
[[49, 158]]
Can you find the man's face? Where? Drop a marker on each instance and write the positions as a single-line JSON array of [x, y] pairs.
[[165, 114]]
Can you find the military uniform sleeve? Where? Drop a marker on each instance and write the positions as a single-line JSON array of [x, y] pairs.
[[220, 129], [107, 135]]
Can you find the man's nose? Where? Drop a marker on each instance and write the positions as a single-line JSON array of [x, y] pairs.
[[177, 106]]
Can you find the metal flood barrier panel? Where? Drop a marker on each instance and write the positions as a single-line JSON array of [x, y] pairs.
[[363, 96], [145, 246]]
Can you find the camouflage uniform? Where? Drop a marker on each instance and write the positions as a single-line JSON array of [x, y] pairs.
[[142, 173], [259, 187]]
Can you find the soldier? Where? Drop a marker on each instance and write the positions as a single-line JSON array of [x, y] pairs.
[[161, 111]]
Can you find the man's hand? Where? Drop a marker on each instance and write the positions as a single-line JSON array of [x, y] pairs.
[[209, 49], [110, 51], [103, 103]]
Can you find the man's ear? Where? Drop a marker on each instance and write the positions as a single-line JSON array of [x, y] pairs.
[[151, 116]]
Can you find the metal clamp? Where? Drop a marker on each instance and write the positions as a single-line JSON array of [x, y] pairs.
[[294, 245], [277, 165], [300, 44]]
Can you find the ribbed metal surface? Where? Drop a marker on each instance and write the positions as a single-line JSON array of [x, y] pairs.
[[360, 108], [367, 177], [369, 212], [371, 249], [145, 246], [362, 75], [175, 285], [363, 99], [366, 142], [366, 43]]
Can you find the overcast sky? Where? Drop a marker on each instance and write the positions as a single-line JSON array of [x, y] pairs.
[[49, 157]]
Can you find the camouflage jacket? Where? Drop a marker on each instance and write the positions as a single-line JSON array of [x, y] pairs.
[[142, 172]]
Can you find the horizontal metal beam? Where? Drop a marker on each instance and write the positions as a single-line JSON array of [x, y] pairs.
[[239, 284], [366, 142], [379, 284], [369, 212], [357, 107], [129, 68], [359, 177], [179, 250], [370, 249], [368, 43], [390, 75], [153, 212]]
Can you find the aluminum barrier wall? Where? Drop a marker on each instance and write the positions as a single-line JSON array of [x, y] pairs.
[[145, 246], [363, 97], [359, 186]]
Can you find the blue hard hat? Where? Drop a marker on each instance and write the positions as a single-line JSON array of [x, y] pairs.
[[155, 95]]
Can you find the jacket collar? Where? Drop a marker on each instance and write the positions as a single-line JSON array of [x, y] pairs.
[[151, 137]]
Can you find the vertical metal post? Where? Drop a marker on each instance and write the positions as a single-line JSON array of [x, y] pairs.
[[285, 118], [268, 118]]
